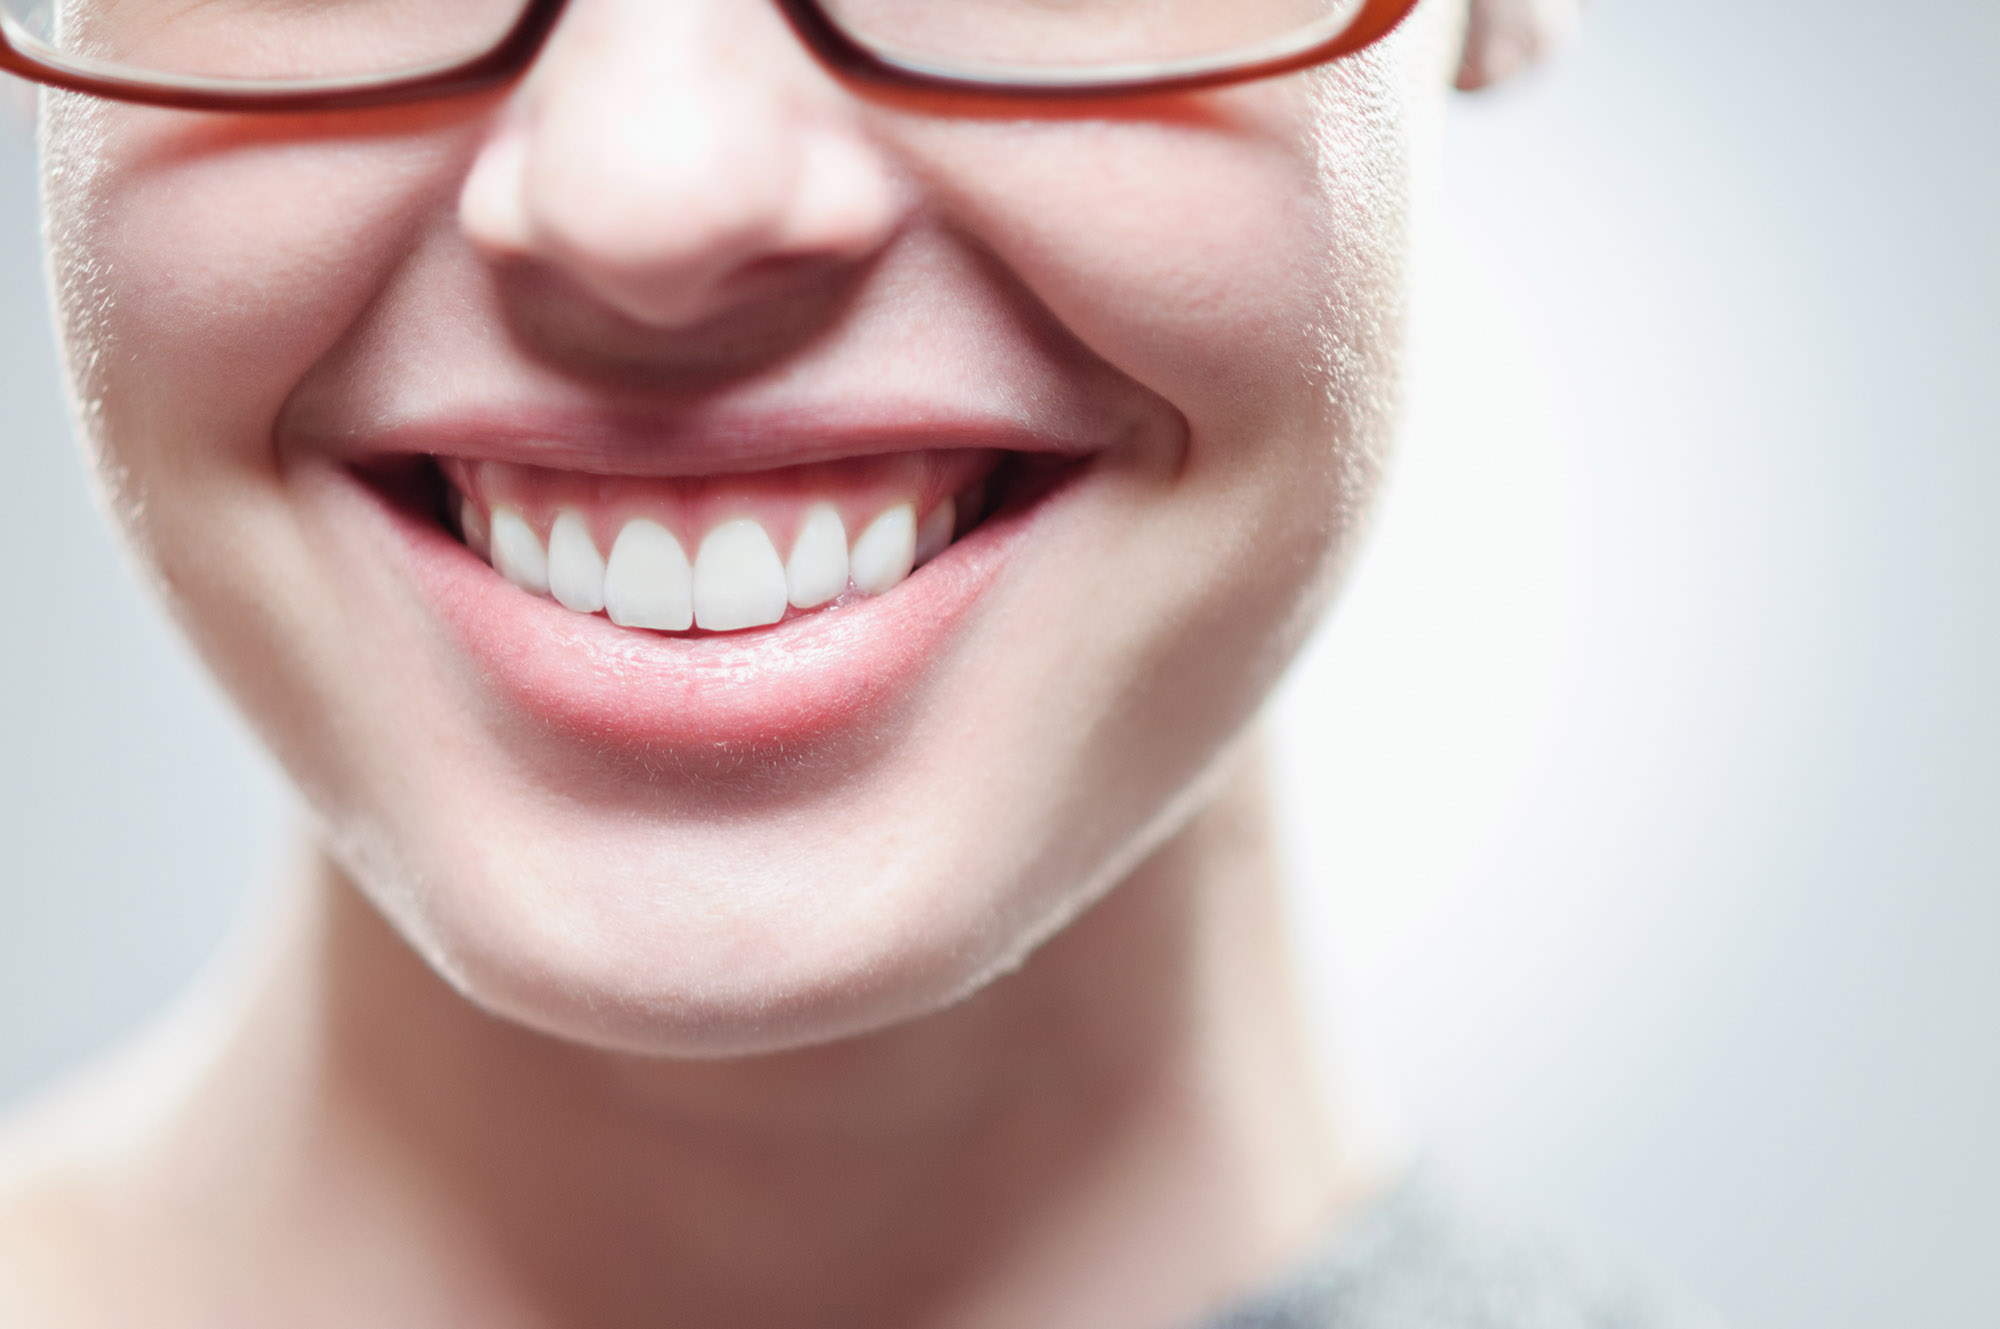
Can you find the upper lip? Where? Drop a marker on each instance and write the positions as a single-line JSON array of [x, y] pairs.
[[643, 443]]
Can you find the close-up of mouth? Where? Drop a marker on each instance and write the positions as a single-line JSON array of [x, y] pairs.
[[753, 607], [723, 553]]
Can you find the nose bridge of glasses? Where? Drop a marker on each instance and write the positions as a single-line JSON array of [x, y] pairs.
[[688, 42], [683, 104]]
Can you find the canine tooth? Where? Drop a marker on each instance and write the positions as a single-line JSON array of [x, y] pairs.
[[576, 569], [934, 532], [472, 525], [517, 552], [738, 580], [886, 551], [648, 583], [817, 571]]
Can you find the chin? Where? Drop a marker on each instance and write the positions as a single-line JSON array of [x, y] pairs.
[[686, 945]]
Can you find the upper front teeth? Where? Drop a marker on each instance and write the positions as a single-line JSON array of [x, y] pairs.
[[648, 583], [736, 579], [817, 571]]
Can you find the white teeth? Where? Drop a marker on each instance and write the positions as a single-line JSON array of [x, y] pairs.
[[648, 583], [886, 551], [738, 580], [818, 568], [934, 534], [517, 552], [472, 525], [576, 569]]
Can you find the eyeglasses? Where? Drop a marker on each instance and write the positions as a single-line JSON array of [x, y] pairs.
[[276, 55]]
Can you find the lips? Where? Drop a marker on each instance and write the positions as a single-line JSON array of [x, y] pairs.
[[736, 610]]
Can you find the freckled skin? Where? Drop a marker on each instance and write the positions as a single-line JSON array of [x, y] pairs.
[[1219, 275]]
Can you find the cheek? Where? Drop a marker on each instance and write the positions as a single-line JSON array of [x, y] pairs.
[[202, 264], [1247, 265], [1147, 241], [1240, 255], [200, 269]]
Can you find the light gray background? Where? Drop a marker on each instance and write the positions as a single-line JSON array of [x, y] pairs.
[[1674, 680]]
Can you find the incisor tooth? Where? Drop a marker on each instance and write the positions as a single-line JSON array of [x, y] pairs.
[[885, 552], [817, 571], [934, 534], [648, 583], [517, 552], [576, 569], [738, 580]]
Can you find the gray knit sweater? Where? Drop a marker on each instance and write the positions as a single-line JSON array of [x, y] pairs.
[[1420, 1260]]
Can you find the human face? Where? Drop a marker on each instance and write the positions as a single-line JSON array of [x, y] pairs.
[[681, 274]]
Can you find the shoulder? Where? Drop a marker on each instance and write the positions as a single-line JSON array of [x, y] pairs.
[[48, 1225], [1425, 1257], [74, 1207]]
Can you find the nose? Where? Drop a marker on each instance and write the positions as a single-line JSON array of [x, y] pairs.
[[672, 157]]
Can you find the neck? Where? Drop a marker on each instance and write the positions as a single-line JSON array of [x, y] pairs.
[[1124, 1132]]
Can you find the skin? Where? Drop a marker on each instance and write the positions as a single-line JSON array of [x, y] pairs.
[[861, 1035]]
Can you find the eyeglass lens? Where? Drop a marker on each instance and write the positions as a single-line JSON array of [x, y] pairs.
[[310, 40]]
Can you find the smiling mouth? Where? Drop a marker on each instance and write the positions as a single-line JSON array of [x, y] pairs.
[[757, 602], [693, 555]]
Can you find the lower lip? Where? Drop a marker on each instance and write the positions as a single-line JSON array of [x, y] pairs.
[[809, 679]]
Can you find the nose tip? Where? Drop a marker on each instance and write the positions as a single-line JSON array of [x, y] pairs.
[[669, 165]]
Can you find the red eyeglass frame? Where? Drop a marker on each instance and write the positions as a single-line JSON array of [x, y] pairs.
[[839, 51]]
